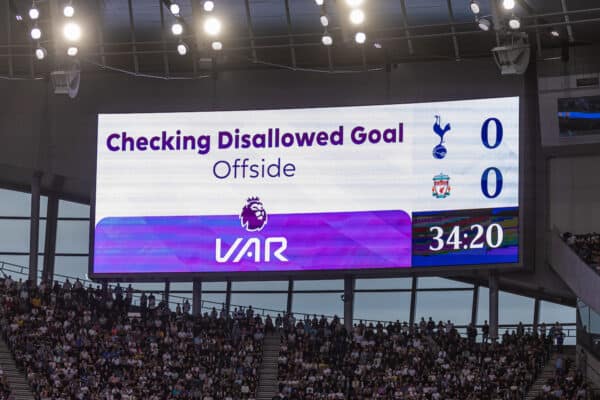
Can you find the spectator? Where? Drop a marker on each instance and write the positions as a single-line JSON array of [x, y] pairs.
[[485, 331], [471, 333], [559, 365]]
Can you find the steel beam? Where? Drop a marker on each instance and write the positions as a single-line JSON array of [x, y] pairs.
[[34, 227]]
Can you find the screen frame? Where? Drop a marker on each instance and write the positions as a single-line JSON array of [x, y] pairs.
[[441, 271]]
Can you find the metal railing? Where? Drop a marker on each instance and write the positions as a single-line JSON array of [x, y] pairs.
[[22, 272]]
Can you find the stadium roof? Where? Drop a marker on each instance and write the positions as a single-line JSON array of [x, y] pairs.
[[135, 35]]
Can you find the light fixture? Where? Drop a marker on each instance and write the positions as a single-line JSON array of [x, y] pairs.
[[40, 53], [360, 37], [174, 8], [209, 6], [377, 45], [182, 48], [554, 32], [19, 17], [484, 24], [324, 20], [72, 51], [513, 53], [212, 26], [508, 4], [319, 2], [68, 10], [475, 8], [354, 3], [514, 22], [34, 13], [36, 33], [327, 40], [72, 31], [217, 46], [177, 29], [357, 16]]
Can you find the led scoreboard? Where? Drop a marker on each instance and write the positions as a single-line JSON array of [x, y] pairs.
[[352, 188]]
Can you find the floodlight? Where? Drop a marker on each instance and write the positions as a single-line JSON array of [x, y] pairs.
[[360, 37], [357, 16], [40, 53], [182, 49], [209, 6], [484, 24], [72, 31], [177, 29], [36, 33], [212, 26]]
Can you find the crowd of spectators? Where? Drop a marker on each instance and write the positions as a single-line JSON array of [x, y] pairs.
[[567, 383], [319, 359], [89, 343], [587, 246], [74, 342]]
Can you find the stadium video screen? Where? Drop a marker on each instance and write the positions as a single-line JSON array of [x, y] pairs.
[[579, 116], [350, 188]]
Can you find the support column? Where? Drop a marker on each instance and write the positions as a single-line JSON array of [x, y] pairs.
[[197, 297], [536, 314], [50, 239], [493, 285], [34, 226], [290, 296], [349, 283], [167, 292], [228, 298], [475, 305], [413, 301]]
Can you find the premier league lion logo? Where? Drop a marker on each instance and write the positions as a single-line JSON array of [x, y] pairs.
[[253, 217]]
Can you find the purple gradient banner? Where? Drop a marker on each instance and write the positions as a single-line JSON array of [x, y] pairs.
[[288, 242]]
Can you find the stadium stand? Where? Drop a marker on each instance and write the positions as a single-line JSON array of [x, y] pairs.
[[321, 360], [90, 343], [587, 246], [78, 343]]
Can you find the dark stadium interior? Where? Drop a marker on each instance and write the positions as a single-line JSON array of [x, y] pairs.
[[525, 330]]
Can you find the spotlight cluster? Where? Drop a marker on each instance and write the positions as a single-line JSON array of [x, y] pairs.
[[513, 21], [211, 26], [357, 18], [177, 28], [34, 15], [483, 22], [326, 39], [71, 30]]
